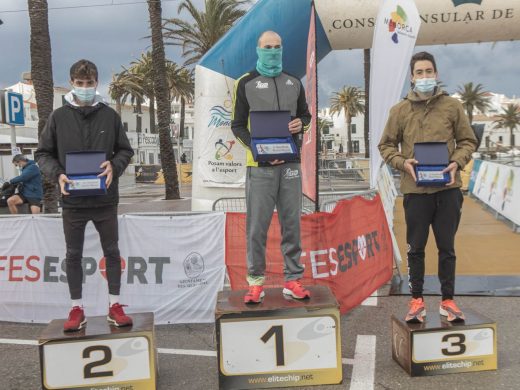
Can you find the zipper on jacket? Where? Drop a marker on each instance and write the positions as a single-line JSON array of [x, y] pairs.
[[277, 97]]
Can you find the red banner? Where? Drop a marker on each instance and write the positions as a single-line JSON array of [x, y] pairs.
[[349, 250], [309, 146]]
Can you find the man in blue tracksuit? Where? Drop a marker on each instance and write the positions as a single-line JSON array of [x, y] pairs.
[[31, 191]]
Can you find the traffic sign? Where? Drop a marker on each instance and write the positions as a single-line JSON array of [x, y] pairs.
[[14, 113]]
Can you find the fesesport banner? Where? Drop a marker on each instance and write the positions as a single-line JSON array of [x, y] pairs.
[[349, 250], [498, 186], [173, 267], [395, 33]]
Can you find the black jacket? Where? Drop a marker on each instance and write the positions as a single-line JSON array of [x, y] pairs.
[[71, 128], [254, 92]]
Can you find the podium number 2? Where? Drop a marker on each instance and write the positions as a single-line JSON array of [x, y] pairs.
[[277, 331], [87, 371], [461, 338]]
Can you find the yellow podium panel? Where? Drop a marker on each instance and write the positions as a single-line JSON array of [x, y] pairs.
[[440, 347], [280, 342], [99, 356]]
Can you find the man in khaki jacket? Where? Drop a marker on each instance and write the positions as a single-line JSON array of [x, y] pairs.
[[428, 114]]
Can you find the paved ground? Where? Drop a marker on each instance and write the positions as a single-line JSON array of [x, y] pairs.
[[366, 339]]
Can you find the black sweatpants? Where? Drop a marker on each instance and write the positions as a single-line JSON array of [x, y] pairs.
[[441, 210], [105, 222]]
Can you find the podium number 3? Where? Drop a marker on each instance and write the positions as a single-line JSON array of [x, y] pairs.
[[277, 331], [107, 357], [459, 343]]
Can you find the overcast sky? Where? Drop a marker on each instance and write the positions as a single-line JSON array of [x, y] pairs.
[[112, 36]]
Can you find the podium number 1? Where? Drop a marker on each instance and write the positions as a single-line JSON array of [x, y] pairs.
[[277, 331], [87, 370]]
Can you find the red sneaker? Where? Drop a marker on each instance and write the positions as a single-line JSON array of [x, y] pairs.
[[254, 295], [295, 289], [117, 316], [417, 311], [76, 320], [449, 309]]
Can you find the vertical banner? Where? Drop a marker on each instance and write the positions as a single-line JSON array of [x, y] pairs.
[[395, 33], [310, 145], [220, 160]]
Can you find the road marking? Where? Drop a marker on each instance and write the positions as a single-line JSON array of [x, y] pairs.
[[371, 300], [192, 352], [363, 372], [18, 342], [169, 351]]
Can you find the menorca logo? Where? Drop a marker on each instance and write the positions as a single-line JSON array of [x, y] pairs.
[[456, 3]]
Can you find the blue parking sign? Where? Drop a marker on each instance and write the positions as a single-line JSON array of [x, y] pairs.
[[14, 114]]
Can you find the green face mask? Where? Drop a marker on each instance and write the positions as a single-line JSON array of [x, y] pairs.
[[269, 62]]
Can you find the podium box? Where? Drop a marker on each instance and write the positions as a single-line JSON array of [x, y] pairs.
[[99, 356], [280, 342], [440, 347]]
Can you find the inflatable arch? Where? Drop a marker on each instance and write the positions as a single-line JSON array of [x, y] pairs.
[[219, 162]]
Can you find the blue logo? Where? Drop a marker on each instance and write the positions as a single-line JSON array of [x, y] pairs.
[[456, 3], [219, 117]]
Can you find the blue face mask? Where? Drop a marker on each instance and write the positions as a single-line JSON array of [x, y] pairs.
[[425, 85], [84, 95], [269, 62]]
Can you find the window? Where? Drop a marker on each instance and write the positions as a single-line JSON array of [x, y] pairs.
[[125, 126], [353, 127], [500, 139], [151, 156], [142, 158]]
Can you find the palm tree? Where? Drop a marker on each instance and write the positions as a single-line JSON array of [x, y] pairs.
[[351, 101], [180, 86], [123, 86], [509, 119], [141, 72], [160, 84], [41, 73], [207, 28], [474, 97]]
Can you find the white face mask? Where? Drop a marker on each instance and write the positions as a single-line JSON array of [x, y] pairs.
[[85, 95], [425, 85]]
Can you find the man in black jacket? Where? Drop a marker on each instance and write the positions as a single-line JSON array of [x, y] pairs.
[[87, 123], [274, 183]]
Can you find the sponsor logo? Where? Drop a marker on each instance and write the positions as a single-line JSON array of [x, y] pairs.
[[397, 24], [260, 85], [456, 3], [289, 173], [223, 149], [193, 265], [219, 117], [331, 261], [289, 82]]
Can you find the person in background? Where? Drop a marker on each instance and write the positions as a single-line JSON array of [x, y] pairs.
[[31, 190]]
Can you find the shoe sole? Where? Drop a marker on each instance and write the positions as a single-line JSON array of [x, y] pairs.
[[113, 322], [286, 291], [262, 295], [81, 326], [445, 313], [416, 319]]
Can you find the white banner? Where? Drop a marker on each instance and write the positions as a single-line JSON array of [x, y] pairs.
[[396, 30], [173, 267], [221, 159], [498, 186]]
